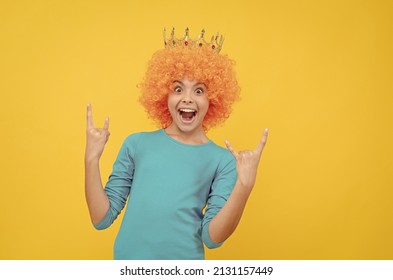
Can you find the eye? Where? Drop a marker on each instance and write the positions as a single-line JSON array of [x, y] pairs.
[[199, 91], [177, 89]]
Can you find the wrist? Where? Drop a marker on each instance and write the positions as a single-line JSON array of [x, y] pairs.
[[91, 160], [243, 189]]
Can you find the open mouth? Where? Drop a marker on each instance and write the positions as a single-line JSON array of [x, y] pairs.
[[187, 115]]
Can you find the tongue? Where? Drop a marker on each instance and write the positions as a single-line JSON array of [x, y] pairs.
[[188, 115]]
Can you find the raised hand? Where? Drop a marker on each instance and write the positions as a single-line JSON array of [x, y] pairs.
[[96, 138], [247, 162]]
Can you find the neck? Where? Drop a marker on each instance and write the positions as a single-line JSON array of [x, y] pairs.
[[196, 137]]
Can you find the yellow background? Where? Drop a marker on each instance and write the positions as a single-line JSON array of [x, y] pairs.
[[317, 73]]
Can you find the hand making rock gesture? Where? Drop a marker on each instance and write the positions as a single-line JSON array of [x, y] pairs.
[[96, 138], [247, 162]]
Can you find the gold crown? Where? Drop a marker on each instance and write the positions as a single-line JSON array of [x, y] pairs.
[[215, 43]]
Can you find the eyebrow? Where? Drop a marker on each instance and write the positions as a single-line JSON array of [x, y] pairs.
[[180, 82]]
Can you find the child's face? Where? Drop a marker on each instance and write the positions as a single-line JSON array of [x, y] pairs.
[[188, 105]]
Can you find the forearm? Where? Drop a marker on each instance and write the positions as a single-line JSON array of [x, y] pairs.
[[227, 219], [97, 200]]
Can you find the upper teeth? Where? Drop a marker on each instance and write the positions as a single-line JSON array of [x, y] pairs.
[[187, 110]]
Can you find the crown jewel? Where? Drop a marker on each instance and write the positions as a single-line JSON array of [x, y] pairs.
[[215, 43]]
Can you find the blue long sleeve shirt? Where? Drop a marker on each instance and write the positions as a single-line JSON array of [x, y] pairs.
[[168, 184]]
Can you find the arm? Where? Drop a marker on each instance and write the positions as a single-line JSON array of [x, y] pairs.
[[96, 138], [226, 221]]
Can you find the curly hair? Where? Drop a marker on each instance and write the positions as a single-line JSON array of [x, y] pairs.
[[201, 64]]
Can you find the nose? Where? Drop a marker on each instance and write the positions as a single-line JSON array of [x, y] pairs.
[[187, 98]]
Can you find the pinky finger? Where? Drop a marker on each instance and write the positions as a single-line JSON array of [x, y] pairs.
[[106, 124], [231, 149]]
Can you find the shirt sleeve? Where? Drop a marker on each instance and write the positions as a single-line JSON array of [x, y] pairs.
[[119, 183], [221, 189]]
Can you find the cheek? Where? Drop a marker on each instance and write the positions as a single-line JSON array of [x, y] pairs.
[[206, 104], [172, 103], [206, 107]]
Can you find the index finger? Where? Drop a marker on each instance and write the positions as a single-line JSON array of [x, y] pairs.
[[263, 141], [89, 117]]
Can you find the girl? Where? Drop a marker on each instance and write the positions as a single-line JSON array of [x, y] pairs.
[[184, 190]]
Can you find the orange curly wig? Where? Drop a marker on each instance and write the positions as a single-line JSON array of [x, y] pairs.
[[201, 64]]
